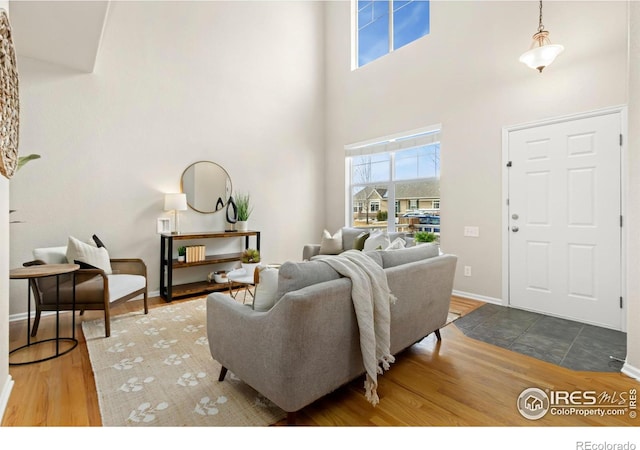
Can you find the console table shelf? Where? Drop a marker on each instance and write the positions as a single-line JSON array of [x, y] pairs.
[[168, 264], [209, 259]]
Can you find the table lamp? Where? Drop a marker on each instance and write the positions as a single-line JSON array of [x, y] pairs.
[[175, 203]]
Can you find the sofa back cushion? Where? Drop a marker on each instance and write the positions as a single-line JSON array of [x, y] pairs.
[[297, 275], [392, 258]]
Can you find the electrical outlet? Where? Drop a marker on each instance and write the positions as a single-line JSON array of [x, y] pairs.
[[467, 271]]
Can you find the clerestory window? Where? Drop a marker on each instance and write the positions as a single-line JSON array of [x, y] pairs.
[[383, 26]]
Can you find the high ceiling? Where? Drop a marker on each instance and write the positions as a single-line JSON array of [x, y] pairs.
[[66, 33]]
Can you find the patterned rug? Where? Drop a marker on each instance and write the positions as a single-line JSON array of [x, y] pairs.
[[157, 370]]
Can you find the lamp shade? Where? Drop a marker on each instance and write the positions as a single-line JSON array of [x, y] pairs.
[[542, 51], [175, 202]]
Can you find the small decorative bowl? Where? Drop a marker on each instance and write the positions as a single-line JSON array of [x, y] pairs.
[[220, 277]]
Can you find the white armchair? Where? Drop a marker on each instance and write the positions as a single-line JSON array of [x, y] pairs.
[[96, 289]]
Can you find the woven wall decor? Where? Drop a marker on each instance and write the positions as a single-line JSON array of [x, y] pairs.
[[9, 100]]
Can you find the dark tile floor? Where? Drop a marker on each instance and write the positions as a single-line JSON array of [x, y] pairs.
[[569, 344]]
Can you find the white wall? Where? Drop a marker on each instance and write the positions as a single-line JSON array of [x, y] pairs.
[[466, 76], [5, 379], [237, 83]]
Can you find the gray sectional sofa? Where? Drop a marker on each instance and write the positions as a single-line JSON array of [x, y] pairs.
[[307, 344]]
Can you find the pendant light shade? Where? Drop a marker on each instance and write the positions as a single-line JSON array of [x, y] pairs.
[[542, 52]]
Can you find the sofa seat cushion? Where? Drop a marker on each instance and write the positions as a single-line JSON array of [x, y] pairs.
[[297, 275], [91, 290]]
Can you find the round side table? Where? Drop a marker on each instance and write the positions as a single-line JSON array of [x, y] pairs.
[[41, 271]]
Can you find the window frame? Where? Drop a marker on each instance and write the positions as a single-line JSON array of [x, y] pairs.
[[391, 144]]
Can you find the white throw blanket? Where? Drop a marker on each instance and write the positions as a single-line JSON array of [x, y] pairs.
[[371, 299]]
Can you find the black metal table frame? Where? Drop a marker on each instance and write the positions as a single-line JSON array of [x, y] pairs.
[[57, 338]]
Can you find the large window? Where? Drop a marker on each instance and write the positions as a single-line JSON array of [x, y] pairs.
[[386, 25], [394, 183]]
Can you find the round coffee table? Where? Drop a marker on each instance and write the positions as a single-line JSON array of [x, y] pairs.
[[240, 276], [40, 271]]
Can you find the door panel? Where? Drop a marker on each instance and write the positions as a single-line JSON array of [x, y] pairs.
[[564, 219]]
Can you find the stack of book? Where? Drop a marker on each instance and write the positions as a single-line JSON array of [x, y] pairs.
[[195, 253]]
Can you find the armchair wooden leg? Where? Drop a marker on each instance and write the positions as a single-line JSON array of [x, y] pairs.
[[146, 305], [223, 373], [107, 323], [437, 332]]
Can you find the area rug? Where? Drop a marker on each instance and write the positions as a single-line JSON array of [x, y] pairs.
[[157, 370]]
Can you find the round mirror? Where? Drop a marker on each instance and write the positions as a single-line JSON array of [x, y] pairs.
[[207, 185]]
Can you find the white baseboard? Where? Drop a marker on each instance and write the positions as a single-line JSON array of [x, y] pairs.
[[4, 395], [630, 371], [481, 298]]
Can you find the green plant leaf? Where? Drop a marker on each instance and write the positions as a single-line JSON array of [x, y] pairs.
[[22, 160]]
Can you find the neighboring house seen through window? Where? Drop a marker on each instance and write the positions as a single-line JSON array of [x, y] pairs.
[[386, 25]]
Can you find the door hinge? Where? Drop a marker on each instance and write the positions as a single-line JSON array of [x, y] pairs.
[[620, 221], [620, 139], [620, 302], [507, 202], [509, 164]]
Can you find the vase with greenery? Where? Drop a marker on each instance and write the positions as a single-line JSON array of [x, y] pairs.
[[421, 237], [182, 252], [243, 203], [250, 258]]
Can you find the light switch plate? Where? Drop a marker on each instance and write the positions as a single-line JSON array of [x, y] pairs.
[[471, 231]]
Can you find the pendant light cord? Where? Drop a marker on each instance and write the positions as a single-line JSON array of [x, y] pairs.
[[540, 26]]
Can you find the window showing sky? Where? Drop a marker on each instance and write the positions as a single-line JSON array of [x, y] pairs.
[[378, 35], [410, 164]]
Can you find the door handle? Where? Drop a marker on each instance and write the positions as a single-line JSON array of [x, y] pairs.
[[515, 229]]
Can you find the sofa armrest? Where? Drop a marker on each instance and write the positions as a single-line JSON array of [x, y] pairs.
[[309, 251], [131, 266]]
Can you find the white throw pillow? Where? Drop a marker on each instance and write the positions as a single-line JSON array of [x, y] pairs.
[[331, 245], [265, 294], [378, 240], [89, 254], [397, 244]]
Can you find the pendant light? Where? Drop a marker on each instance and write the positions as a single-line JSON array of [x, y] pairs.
[[542, 52]]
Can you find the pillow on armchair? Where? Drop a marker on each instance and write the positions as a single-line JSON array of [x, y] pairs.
[[89, 254]]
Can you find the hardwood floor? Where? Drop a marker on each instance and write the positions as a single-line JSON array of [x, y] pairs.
[[455, 382]]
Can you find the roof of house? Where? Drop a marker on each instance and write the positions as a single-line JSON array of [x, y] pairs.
[[427, 188]]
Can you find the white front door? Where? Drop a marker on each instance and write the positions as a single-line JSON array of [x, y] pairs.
[[564, 219]]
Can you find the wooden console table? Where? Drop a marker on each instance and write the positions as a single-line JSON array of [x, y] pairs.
[[168, 264]]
